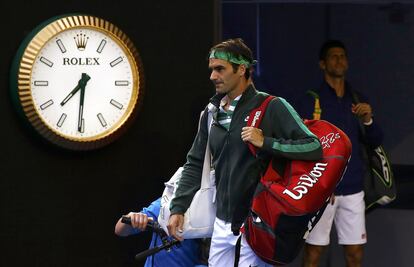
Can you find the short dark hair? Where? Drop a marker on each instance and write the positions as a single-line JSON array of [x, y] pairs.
[[328, 45], [238, 48]]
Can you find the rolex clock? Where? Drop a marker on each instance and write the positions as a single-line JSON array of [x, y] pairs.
[[78, 81]]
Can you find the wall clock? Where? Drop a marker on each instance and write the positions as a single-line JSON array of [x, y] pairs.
[[78, 81]]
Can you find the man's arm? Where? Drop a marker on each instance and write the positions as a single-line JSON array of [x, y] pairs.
[[139, 222], [190, 181], [175, 226], [290, 137], [373, 133]]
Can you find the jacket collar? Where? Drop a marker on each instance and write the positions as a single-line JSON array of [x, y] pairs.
[[327, 89], [249, 93]]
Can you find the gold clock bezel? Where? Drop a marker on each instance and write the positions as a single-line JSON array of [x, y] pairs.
[[24, 74]]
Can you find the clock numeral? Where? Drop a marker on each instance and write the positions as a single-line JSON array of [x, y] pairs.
[[101, 46], [46, 104], [61, 46], [41, 83], [46, 61], [101, 119], [121, 83], [116, 62], [116, 104], [61, 120]]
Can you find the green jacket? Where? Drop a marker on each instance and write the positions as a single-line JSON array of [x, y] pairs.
[[237, 170]]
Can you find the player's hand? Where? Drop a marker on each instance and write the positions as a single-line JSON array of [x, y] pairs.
[[362, 110], [139, 220], [253, 135], [175, 226]]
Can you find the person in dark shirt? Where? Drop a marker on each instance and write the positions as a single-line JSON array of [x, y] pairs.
[[283, 136], [334, 101]]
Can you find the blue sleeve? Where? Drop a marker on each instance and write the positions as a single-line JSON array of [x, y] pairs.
[[153, 209]]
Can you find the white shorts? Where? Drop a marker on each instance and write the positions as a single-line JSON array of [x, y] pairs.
[[348, 212], [222, 248]]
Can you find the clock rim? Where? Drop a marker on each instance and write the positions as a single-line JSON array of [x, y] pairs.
[[21, 78]]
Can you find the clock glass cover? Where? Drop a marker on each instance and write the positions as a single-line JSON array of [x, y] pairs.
[[79, 81]]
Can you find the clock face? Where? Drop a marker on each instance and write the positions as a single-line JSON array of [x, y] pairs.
[[78, 81], [60, 68]]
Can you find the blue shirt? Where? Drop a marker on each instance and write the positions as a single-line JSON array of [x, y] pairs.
[[337, 110], [184, 256]]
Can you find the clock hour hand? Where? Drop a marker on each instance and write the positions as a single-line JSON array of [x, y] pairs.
[[82, 83]]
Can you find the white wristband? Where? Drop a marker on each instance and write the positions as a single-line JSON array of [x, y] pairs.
[[368, 123]]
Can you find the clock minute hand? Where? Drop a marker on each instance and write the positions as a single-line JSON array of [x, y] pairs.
[[82, 98], [80, 117]]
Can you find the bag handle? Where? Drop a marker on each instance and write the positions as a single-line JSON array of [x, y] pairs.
[[356, 100], [317, 111], [255, 118]]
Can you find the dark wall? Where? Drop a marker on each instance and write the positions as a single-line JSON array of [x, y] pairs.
[[59, 208], [286, 38], [378, 35]]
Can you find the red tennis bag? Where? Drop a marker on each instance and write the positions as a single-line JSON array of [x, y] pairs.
[[286, 206]]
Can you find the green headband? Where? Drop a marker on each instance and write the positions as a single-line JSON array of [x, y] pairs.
[[230, 58]]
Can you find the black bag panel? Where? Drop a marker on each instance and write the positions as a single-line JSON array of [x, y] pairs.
[[289, 234]]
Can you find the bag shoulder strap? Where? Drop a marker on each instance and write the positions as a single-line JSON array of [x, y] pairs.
[[237, 252], [355, 96], [210, 109], [255, 118], [317, 111], [207, 180], [356, 100]]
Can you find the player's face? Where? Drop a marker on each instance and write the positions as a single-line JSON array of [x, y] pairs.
[[223, 76], [336, 63]]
